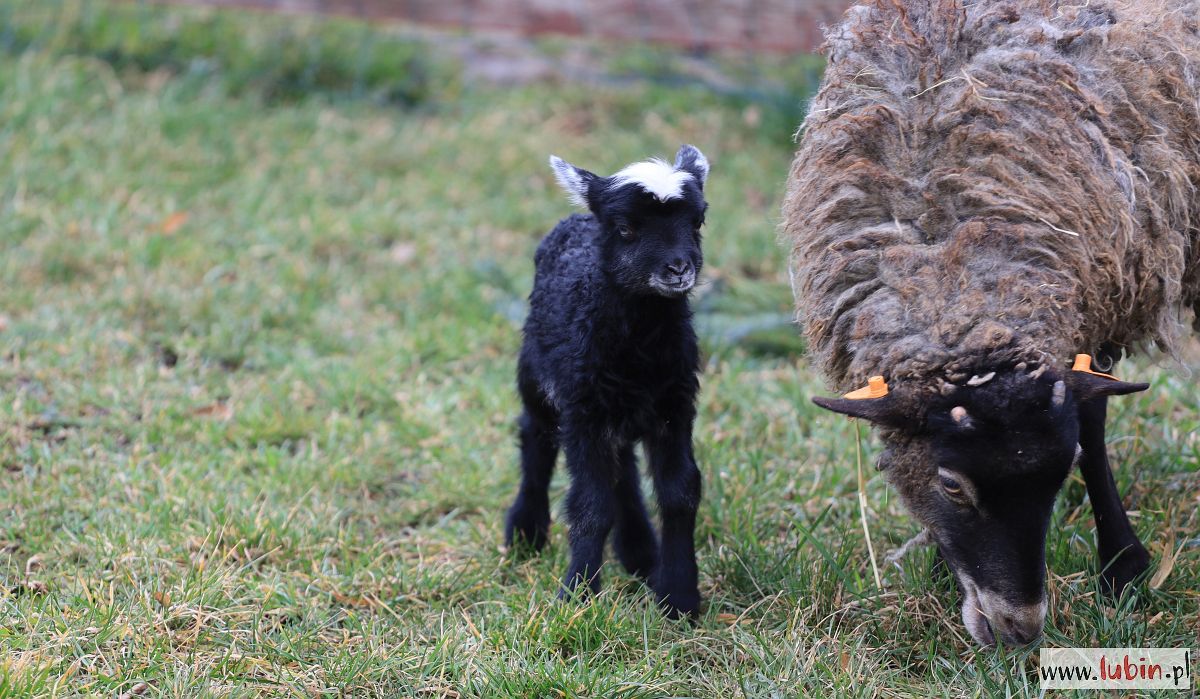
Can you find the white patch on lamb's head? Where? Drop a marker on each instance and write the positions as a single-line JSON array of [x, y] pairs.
[[654, 176], [573, 180]]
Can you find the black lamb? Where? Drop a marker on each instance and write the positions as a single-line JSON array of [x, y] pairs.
[[610, 359]]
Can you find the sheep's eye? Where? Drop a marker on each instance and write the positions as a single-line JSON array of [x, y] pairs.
[[952, 487], [626, 232]]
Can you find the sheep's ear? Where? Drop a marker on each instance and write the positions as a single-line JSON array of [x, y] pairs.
[[884, 411], [575, 181], [690, 159], [1086, 386]]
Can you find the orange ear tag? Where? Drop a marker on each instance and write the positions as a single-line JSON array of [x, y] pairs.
[[876, 388], [1083, 362]]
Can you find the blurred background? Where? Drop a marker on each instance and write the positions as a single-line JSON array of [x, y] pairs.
[[782, 26], [480, 33], [600, 82]]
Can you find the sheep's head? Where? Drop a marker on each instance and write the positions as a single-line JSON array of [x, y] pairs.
[[650, 214], [980, 465]]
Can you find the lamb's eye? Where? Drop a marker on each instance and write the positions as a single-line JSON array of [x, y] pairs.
[[952, 487], [626, 232]]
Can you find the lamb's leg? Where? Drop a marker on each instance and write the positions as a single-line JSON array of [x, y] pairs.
[[1122, 556], [529, 517], [591, 509], [677, 485], [633, 538]]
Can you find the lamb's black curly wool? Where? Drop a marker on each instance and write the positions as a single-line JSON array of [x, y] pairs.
[[609, 359]]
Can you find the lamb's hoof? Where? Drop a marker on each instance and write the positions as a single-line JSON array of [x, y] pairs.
[[577, 586], [638, 558], [1120, 573], [681, 606], [679, 603], [526, 532], [566, 594]]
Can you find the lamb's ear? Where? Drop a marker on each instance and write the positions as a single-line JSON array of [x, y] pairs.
[[1087, 386], [575, 181], [690, 159], [884, 411]]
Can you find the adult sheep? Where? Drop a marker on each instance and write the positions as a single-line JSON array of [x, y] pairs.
[[984, 190]]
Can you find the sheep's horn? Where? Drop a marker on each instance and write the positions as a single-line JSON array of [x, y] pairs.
[[880, 411]]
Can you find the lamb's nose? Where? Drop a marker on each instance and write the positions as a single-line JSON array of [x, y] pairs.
[[679, 267]]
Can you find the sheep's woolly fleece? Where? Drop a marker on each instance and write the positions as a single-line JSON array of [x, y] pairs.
[[986, 183]]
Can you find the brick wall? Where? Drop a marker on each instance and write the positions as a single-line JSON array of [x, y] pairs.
[[781, 26]]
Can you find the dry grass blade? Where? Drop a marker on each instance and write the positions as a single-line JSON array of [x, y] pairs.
[[862, 504], [1165, 564]]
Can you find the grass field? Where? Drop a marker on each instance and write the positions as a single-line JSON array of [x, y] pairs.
[[256, 413]]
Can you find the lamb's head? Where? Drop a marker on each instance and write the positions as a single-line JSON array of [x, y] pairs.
[[650, 214], [980, 465]]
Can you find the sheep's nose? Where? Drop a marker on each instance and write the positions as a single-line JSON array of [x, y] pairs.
[[1019, 630], [679, 267], [1015, 624]]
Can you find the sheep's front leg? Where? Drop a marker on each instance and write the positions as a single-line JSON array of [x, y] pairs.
[[1122, 556], [677, 486], [591, 509]]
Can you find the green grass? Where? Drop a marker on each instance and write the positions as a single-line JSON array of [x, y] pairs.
[[256, 415]]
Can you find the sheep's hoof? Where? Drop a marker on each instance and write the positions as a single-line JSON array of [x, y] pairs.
[[526, 532], [1126, 567]]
